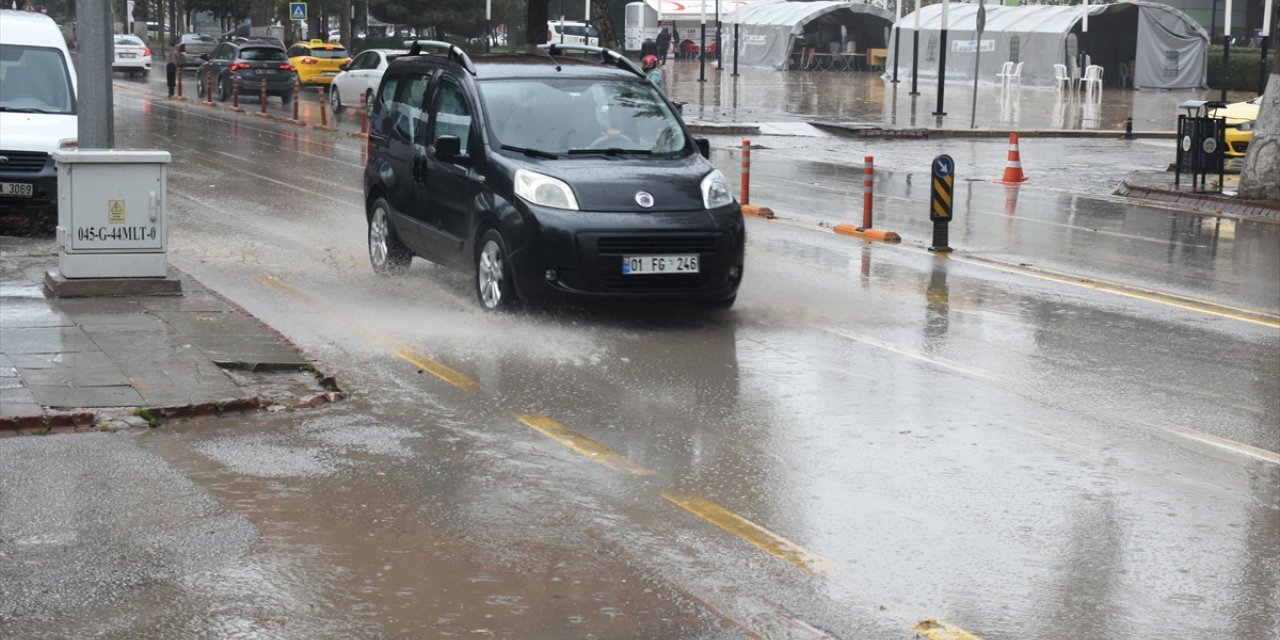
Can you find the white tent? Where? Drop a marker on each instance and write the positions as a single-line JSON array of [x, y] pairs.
[[1137, 43], [769, 31]]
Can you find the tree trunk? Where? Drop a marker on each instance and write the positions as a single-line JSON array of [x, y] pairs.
[[344, 25], [604, 23], [261, 12], [1260, 178], [535, 20]]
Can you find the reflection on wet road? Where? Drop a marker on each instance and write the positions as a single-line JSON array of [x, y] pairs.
[[872, 438]]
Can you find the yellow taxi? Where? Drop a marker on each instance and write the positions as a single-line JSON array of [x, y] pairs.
[[1241, 118], [317, 61]]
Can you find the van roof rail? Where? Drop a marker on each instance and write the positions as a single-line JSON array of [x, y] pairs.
[[452, 50], [607, 56]]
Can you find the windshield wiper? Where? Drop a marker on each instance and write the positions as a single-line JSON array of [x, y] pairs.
[[611, 151], [532, 153], [23, 110]]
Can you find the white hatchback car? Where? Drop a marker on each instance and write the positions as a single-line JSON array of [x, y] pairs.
[[360, 77], [132, 55]]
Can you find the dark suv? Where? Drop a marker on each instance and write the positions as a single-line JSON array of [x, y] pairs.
[[546, 174], [248, 61]]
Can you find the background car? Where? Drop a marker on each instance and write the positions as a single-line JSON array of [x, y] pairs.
[[317, 61], [360, 77], [132, 55], [189, 47], [1241, 118], [250, 64]]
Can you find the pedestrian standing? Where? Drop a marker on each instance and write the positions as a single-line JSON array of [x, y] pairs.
[[664, 44]]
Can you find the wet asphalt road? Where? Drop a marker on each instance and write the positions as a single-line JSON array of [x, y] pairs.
[[874, 437]]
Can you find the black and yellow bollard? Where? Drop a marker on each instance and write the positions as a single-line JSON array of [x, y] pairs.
[[942, 186]]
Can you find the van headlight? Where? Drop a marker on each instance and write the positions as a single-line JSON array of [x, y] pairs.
[[1245, 126], [544, 190], [715, 191]]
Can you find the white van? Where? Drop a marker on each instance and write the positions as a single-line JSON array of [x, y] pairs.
[[567, 32], [37, 113]]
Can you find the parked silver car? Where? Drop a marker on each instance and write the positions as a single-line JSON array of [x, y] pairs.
[[189, 47], [360, 77]]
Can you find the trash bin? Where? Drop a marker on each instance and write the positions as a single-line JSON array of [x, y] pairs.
[[1200, 142]]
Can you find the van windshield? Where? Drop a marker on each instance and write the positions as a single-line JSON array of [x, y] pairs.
[[35, 79], [557, 115]]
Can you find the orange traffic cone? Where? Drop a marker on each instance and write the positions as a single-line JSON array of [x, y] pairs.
[[1013, 171]]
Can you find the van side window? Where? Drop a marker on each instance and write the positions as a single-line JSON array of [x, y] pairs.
[[410, 118], [453, 116]]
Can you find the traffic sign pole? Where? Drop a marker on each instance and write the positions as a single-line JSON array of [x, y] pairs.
[[940, 198]]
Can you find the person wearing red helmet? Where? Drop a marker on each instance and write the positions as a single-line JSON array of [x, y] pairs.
[[649, 64]]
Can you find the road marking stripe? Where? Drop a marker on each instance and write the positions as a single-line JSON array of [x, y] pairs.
[[941, 362], [404, 352], [1230, 445], [935, 630], [747, 530], [1207, 307], [589, 448]]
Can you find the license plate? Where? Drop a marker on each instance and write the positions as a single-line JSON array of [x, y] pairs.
[[16, 189], [636, 265], [263, 72], [128, 55]]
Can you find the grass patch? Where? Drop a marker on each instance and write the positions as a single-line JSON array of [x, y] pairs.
[[152, 420]]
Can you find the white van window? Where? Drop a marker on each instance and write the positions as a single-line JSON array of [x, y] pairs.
[[34, 80]]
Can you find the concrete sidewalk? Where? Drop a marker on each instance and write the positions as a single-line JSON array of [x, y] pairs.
[[70, 364]]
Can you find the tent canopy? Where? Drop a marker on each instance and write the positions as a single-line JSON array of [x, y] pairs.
[[771, 31], [1150, 44]]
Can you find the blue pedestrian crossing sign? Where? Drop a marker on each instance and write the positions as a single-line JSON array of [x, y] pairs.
[[297, 11]]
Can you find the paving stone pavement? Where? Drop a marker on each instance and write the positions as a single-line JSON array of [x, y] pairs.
[[78, 363]]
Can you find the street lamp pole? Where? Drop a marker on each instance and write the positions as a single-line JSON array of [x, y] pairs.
[[915, 51], [1226, 51]]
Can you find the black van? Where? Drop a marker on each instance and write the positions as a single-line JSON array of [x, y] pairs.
[[565, 173]]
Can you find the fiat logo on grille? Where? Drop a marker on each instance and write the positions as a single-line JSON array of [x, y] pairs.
[[644, 199], [4, 159]]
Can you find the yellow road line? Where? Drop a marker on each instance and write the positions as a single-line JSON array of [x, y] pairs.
[[404, 352], [592, 450], [757, 535], [935, 630]]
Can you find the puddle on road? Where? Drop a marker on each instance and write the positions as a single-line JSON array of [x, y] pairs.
[[373, 529]]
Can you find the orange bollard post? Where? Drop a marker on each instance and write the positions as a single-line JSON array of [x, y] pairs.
[[364, 113], [295, 101], [866, 231], [179, 82], [749, 209], [324, 105], [208, 83], [235, 93], [868, 187], [263, 93]]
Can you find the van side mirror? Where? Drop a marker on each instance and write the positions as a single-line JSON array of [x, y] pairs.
[[704, 147], [449, 149], [204, 56], [343, 66]]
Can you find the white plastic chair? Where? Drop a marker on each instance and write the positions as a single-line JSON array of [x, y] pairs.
[[1092, 76], [1006, 71], [1061, 77], [1016, 75]]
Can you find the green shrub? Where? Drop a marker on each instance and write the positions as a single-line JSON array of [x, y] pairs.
[[1244, 63]]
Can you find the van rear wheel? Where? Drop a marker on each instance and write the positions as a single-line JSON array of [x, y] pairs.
[[388, 255]]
